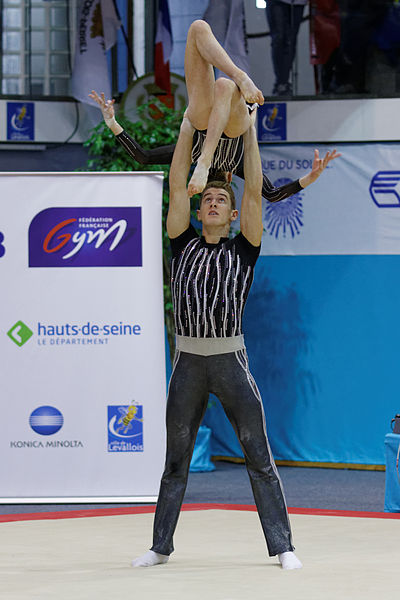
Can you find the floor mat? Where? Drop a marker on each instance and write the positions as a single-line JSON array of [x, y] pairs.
[[220, 555]]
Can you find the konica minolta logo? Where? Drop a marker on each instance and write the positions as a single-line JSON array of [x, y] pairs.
[[385, 189], [46, 420]]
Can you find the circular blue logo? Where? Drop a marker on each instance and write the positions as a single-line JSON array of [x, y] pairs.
[[46, 420], [284, 218]]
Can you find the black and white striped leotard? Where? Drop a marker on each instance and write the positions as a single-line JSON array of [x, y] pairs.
[[210, 284], [163, 156], [227, 156]]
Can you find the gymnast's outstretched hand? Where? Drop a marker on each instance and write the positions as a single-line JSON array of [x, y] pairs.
[[107, 110], [318, 166]]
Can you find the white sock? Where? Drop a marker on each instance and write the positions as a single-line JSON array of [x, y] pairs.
[[289, 560], [150, 559]]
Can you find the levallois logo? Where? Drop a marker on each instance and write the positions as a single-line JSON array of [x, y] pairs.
[[125, 428], [86, 237]]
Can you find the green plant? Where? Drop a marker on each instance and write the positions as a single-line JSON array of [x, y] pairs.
[[107, 155]]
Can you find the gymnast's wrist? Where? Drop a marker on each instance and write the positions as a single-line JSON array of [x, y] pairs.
[[306, 180], [114, 126], [110, 122]]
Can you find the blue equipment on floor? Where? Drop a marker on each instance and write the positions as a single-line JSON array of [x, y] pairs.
[[392, 481], [201, 459]]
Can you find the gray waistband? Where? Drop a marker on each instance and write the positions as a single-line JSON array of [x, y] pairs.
[[209, 346]]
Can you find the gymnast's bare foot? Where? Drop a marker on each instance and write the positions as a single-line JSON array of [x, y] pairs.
[[198, 180], [248, 89]]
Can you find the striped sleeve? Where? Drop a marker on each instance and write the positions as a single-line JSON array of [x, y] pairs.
[[155, 156], [276, 194], [269, 191]]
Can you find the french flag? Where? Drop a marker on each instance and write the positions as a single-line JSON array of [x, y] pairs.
[[163, 48]]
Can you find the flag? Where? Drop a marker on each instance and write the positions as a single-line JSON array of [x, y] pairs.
[[96, 33], [163, 48], [111, 23], [227, 21]]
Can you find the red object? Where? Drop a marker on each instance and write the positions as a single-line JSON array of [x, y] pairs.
[[324, 30], [163, 48], [167, 99], [161, 69], [134, 510]]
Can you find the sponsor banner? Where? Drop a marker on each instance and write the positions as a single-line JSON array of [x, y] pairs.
[[353, 208], [84, 388], [21, 121]]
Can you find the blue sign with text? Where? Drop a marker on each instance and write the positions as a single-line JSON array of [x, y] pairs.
[[272, 122], [21, 121]]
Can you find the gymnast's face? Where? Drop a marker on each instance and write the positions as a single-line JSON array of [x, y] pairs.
[[215, 208]]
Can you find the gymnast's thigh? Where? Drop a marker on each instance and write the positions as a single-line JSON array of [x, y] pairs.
[[240, 398], [187, 396]]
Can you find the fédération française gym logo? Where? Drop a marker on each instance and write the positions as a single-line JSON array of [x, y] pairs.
[[86, 237]]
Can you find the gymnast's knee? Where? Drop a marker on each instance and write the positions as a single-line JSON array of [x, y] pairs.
[[175, 471], [260, 463], [224, 87], [177, 464], [197, 27]]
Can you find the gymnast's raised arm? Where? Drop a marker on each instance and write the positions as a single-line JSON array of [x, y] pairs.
[[161, 155], [178, 218]]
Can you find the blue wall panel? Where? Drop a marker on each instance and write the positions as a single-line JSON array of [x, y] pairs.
[[322, 334]]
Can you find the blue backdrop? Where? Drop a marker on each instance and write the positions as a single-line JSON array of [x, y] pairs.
[[322, 334]]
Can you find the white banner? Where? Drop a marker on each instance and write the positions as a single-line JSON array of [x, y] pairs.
[[82, 336], [353, 208]]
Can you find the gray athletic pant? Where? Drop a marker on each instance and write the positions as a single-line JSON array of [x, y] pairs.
[[225, 374]]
